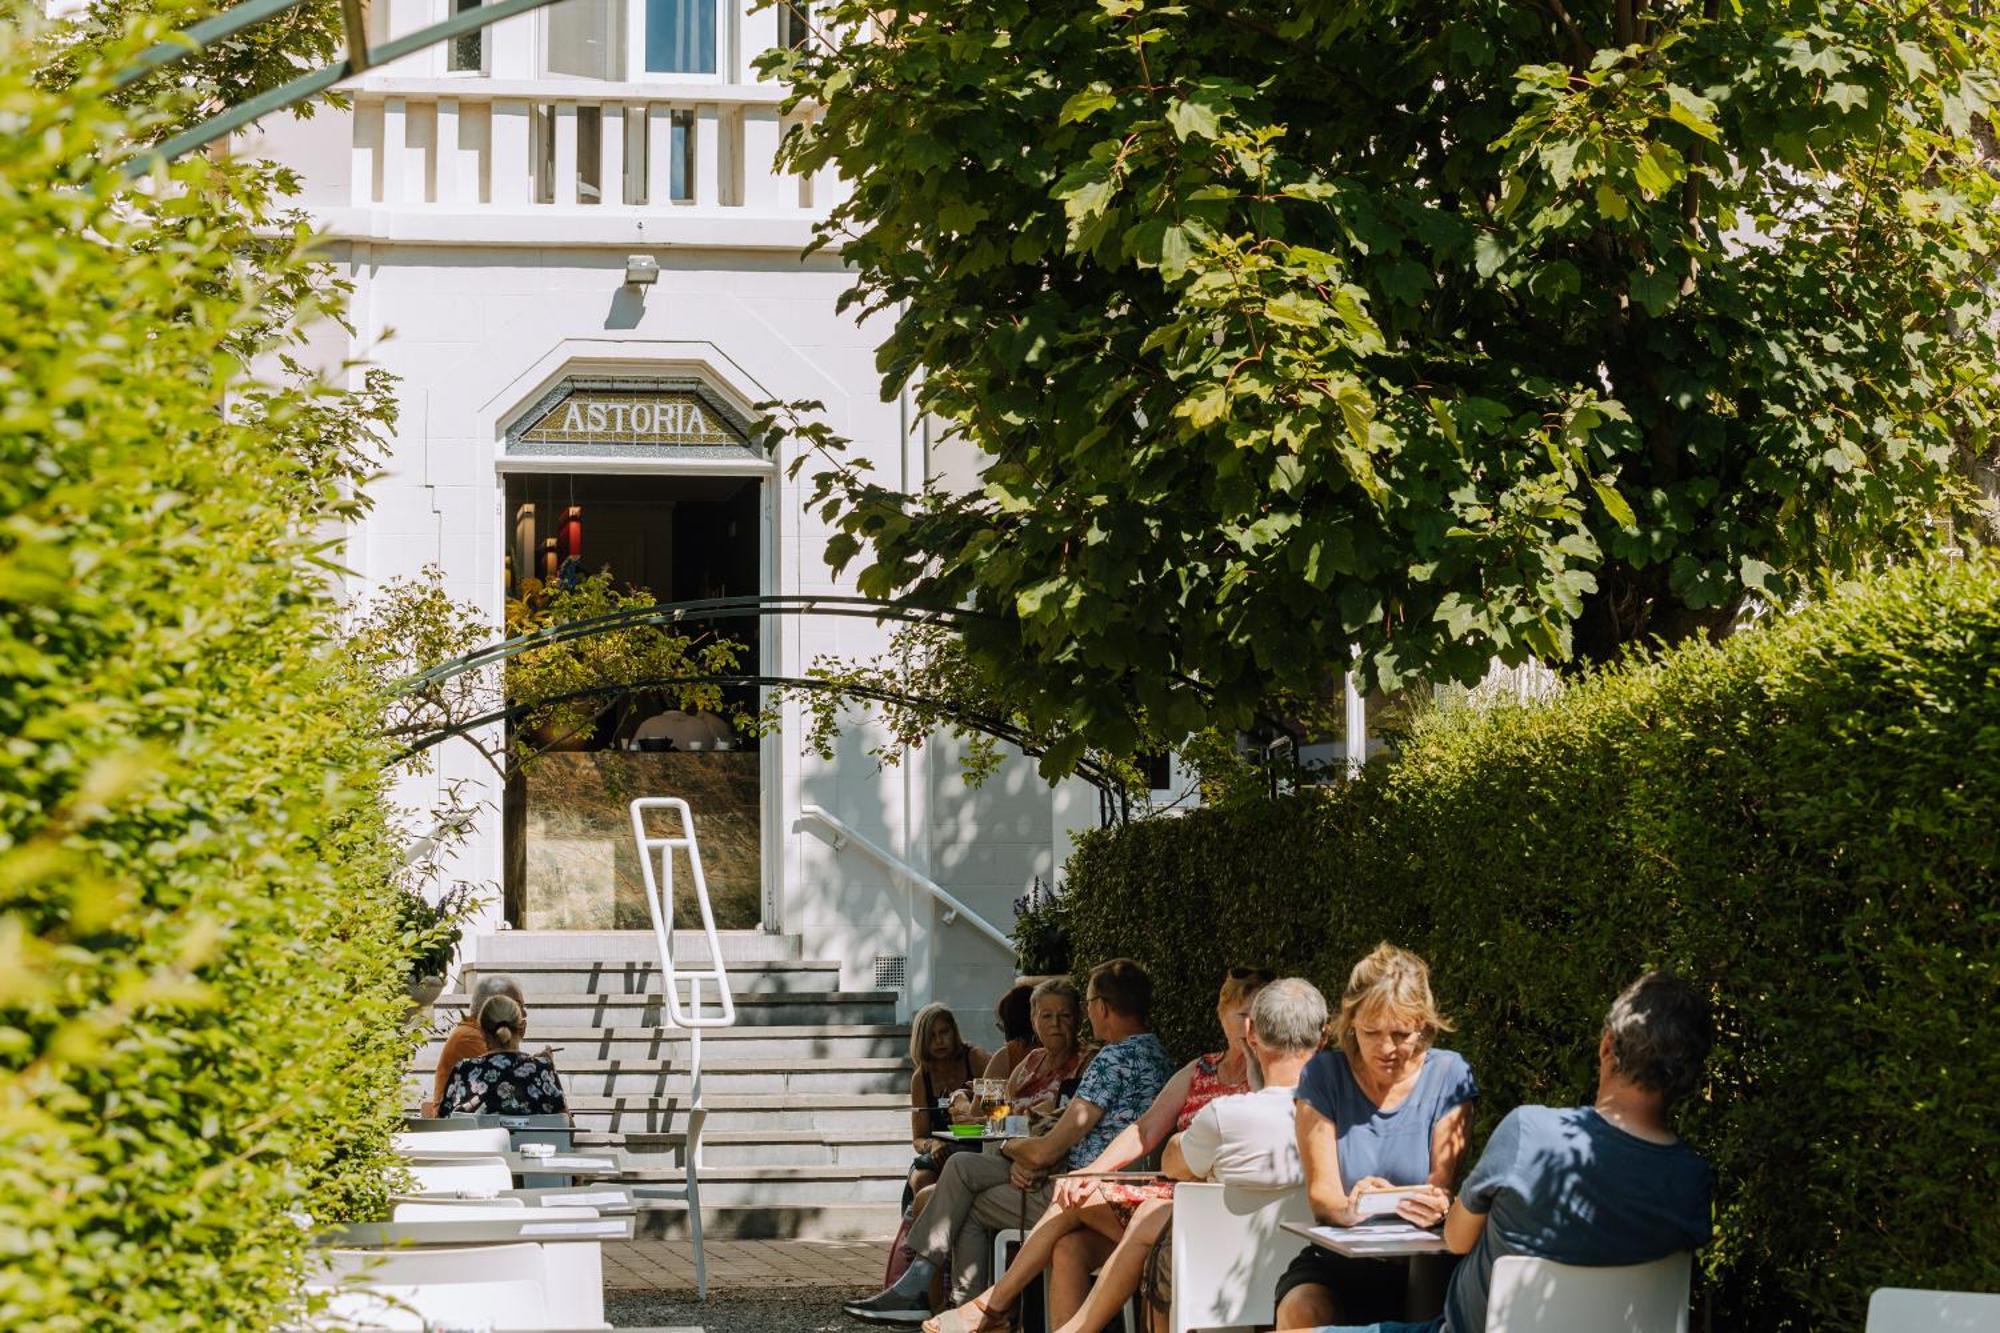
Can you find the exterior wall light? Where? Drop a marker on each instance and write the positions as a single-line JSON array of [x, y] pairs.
[[642, 270]]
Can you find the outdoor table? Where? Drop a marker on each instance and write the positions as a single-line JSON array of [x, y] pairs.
[[493, 1231], [1386, 1240], [608, 1200], [565, 1164]]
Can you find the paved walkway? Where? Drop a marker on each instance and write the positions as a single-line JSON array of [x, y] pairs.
[[745, 1265]]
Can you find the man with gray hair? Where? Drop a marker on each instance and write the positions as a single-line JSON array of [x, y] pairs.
[[1249, 1140], [465, 1040]]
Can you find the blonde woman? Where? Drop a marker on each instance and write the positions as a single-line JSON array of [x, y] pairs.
[[945, 1063], [1382, 1107]]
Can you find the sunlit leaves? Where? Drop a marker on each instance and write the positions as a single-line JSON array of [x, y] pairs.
[[1448, 338]]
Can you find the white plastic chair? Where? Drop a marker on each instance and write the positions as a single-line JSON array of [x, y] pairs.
[[1229, 1251], [450, 1140], [1909, 1310], [433, 1265], [575, 1269], [473, 1175], [1541, 1296], [687, 1192], [495, 1305]]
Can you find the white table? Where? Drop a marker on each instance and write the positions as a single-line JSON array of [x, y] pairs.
[[558, 1164], [528, 1227], [1381, 1240]]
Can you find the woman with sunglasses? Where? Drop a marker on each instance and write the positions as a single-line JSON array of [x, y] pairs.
[[1380, 1108], [1085, 1217]]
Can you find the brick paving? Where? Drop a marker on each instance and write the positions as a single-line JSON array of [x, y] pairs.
[[745, 1265]]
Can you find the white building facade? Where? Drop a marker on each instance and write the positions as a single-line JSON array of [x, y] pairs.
[[486, 199]]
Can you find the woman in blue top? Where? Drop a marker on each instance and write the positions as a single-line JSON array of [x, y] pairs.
[[1380, 1107]]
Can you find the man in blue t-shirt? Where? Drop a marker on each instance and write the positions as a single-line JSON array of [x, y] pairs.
[[980, 1193], [1599, 1185]]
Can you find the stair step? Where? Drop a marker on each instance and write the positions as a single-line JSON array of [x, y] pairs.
[[618, 946], [726, 1185], [635, 977], [861, 1114], [753, 1009], [835, 1221], [870, 1147], [655, 1078], [773, 1041]]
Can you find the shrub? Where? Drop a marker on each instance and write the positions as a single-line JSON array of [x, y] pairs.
[[200, 1017], [1805, 819]]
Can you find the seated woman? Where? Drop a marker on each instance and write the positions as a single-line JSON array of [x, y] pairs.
[[1017, 1030], [505, 1080], [1037, 1084], [945, 1064], [1100, 1210], [1381, 1107]]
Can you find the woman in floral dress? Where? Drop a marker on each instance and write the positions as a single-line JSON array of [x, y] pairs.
[[1098, 1211], [505, 1080]]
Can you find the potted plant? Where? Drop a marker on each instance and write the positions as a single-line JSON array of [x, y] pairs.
[[430, 934]]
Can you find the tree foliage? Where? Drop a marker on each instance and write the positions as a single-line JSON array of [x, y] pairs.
[[201, 1032], [1431, 333]]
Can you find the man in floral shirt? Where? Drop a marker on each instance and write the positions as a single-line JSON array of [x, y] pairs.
[[979, 1194]]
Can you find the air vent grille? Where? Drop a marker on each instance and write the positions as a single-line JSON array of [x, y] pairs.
[[890, 971]]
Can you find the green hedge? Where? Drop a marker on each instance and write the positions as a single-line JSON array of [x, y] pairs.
[[200, 1021], [1805, 819]]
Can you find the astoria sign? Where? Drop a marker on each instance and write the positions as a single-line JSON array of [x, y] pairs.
[[624, 416]]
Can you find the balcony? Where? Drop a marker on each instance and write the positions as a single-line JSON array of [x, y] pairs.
[[594, 122]]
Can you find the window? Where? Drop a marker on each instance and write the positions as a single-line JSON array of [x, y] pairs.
[[794, 23], [680, 36], [466, 54]]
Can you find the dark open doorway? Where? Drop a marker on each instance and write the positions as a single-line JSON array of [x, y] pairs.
[[570, 862]]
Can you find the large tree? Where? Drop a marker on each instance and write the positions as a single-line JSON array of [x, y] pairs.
[[1432, 333]]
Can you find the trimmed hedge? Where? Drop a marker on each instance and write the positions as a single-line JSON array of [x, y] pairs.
[[201, 1025], [1806, 819]]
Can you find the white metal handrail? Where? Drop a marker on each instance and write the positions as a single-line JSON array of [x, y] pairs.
[[909, 875], [660, 904]]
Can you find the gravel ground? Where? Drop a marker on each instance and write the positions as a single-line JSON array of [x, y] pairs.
[[780, 1310]]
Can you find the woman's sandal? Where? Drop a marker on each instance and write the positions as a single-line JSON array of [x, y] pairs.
[[990, 1321]]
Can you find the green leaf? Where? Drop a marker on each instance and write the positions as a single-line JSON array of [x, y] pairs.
[[1692, 111], [1489, 254], [1660, 168], [1611, 203], [1192, 119], [1082, 106], [1614, 503], [1655, 292]]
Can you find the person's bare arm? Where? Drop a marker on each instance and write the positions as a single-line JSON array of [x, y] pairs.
[[1448, 1139], [1319, 1149], [1041, 1153], [1462, 1227], [920, 1117]]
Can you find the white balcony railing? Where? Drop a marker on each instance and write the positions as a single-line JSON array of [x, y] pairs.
[[563, 144]]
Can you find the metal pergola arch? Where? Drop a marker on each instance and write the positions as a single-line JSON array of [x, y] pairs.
[[1114, 803]]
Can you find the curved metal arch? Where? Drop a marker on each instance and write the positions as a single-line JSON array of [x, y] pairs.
[[1088, 769], [699, 611]]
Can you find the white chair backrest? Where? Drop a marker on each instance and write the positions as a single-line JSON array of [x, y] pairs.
[[574, 1269], [495, 1305], [1229, 1252], [450, 1140], [1541, 1296], [431, 1265], [479, 1175], [1907, 1310]]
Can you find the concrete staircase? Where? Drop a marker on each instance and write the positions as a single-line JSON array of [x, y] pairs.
[[808, 1122]]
